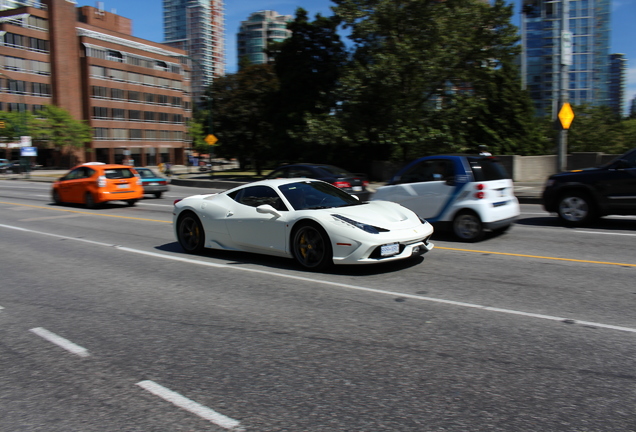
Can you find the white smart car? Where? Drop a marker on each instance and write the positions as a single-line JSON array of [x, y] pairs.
[[469, 194]]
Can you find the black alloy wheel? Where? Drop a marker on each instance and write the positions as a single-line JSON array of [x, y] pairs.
[[311, 247], [190, 233]]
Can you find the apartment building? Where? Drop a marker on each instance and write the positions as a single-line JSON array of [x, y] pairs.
[[135, 94], [261, 28]]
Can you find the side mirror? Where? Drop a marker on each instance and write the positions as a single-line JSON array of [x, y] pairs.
[[268, 209]]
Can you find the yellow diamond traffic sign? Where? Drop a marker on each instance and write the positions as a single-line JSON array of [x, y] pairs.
[[566, 115], [211, 139]]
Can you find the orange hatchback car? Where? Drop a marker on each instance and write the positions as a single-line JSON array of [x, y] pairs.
[[94, 183]]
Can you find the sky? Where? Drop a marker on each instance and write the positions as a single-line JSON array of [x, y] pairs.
[[147, 16]]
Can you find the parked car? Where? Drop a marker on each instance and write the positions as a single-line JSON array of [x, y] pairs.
[[152, 182], [354, 184], [94, 183], [469, 194], [311, 221], [4, 165], [581, 196]]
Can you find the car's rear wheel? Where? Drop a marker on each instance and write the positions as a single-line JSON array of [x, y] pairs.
[[576, 208], [311, 247], [56, 197], [467, 226], [89, 200], [131, 202], [158, 194], [190, 233]]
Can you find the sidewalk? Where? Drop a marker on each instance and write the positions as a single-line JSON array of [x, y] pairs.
[[526, 192]]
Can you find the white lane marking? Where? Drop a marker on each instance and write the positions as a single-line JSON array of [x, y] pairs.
[[190, 405], [58, 236], [156, 205], [61, 342], [51, 217], [342, 285], [1, 308], [605, 233]]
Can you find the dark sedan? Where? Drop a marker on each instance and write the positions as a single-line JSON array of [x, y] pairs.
[[354, 184]]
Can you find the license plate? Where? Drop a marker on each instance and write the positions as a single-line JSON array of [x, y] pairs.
[[390, 249], [122, 186], [357, 188]]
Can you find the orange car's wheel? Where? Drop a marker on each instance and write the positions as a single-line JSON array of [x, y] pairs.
[[56, 197], [89, 201]]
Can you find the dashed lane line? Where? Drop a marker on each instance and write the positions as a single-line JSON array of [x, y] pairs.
[[60, 341]]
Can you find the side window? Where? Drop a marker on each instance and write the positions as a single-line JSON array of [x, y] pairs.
[[75, 174], [258, 195], [429, 170], [281, 173], [300, 172]]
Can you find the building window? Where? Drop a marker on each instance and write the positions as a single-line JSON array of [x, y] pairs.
[[120, 134], [149, 98], [134, 96], [149, 116], [118, 114], [163, 117], [100, 112], [135, 134], [134, 115], [99, 92], [116, 93], [41, 89], [100, 133], [17, 87], [115, 56]]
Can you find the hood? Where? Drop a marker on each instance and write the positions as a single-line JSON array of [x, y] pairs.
[[380, 213]]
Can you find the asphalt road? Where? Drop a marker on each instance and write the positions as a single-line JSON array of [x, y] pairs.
[[105, 325]]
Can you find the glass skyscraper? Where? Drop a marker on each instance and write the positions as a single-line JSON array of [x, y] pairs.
[[259, 29], [588, 75], [197, 27]]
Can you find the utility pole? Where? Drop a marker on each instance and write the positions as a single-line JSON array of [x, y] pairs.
[[566, 62]]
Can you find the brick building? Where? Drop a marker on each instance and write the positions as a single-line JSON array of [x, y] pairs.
[[135, 94]]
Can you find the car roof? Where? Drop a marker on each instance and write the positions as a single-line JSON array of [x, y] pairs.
[[102, 165]]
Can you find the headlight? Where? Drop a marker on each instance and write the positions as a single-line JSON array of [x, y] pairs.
[[549, 183], [364, 227]]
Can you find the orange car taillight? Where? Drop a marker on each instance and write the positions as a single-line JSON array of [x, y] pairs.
[[139, 182], [480, 188], [101, 181]]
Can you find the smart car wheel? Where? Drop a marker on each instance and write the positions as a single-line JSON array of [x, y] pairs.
[[311, 247], [190, 233], [89, 200], [575, 208], [56, 197], [467, 227]]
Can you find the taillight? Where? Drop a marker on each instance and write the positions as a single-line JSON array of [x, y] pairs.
[[365, 183], [139, 182], [176, 201], [163, 182], [342, 184], [481, 194], [101, 181]]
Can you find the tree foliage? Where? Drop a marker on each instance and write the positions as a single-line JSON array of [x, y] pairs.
[[242, 106]]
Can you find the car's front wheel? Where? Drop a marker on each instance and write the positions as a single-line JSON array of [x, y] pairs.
[[56, 197], [190, 233], [467, 226], [311, 247], [575, 208]]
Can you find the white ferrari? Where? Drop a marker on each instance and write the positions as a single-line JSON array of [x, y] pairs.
[[311, 221]]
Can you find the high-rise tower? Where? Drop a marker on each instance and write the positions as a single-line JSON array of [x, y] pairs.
[[259, 29], [588, 75], [197, 27]]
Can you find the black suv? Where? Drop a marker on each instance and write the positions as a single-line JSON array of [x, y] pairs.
[[581, 196]]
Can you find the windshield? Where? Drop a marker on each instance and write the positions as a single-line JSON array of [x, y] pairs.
[[146, 173], [316, 195]]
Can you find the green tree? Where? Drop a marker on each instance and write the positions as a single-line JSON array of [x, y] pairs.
[[242, 115], [421, 79], [595, 129], [308, 66], [64, 132]]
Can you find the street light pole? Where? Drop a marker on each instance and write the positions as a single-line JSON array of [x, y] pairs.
[[566, 61]]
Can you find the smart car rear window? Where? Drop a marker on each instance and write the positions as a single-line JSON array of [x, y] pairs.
[[118, 173], [488, 168]]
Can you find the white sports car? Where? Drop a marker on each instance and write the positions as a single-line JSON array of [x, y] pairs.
[[308, 220]]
